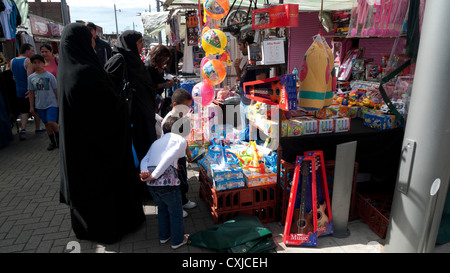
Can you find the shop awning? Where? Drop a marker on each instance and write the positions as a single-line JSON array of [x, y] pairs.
[[303, 5], [154, 22]]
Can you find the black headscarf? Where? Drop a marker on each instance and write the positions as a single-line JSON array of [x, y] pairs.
[[96, 161], [143, 108]]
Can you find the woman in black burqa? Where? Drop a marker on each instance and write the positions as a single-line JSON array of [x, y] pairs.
[[144, 99], [97, 172]]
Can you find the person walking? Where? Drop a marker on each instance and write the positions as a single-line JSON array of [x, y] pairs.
[[21, 68], [51, 61], [42, 88], [97, 174]]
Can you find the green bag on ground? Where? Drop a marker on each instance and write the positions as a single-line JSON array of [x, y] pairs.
[[243, 234]]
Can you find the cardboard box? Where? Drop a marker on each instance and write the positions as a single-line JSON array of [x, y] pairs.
[[254, 178], [353, 112], [326, 126], [295, 127], [310, 125], [378, 121], [342, 125], [333, 111], [276, 16], [225, 178]]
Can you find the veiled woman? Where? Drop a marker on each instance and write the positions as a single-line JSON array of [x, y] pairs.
[[97, 174], [129, 45]]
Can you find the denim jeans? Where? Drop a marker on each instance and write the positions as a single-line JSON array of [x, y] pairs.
[[170, 212]]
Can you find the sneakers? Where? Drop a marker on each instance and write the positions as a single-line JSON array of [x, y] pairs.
[[186, 236], [185, 214], [51, 146], [189, 205], [40, 130], [164, 241], [22, 134]]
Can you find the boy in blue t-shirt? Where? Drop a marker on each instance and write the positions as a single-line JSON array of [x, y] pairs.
[[43, 99]]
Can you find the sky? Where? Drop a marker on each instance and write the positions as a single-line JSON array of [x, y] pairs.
[[101, 12]]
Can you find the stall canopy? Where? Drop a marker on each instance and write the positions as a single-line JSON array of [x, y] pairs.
[[303, 5], [154, 22]]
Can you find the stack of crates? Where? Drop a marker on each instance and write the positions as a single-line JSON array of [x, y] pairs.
[[224, 205]]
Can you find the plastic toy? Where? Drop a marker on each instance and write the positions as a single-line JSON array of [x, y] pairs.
[[204, 61], [252, 160], [214, 72], [203, 93], [216, 9], [214, 41]]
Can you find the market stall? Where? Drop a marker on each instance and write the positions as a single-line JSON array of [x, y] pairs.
[[334, 77]]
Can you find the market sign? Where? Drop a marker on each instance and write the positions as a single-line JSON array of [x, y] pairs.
[[40, 27], [275, 16], [56, 29]]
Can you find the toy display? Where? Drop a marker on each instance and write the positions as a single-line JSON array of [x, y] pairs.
[[214, 71], [216, 9]]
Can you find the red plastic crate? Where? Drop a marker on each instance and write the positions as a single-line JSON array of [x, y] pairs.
[[236, 199], [374, 210], [266, 214]]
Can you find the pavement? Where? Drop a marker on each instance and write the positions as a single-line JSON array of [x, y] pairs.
[[33, 221]]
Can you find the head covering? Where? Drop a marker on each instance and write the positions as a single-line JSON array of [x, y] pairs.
[[143, 105], [103, 207]]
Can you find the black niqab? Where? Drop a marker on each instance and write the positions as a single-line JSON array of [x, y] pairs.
[[143, 108], [97, 175]]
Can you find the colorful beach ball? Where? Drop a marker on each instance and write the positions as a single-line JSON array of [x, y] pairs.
[[214, 71], [214, 41], [216, 9], [204, 61], [203, 93]]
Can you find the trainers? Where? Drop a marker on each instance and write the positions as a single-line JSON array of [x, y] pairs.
[[190, 205], [51, 146], [22, 134], [164, 241], [185, 240], [40, 130], [185, 214]]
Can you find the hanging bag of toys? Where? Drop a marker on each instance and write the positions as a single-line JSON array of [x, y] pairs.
[[316, 77]]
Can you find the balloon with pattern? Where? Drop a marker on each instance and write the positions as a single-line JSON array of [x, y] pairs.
[[214, 41], [216, 9], [203, 93], [214, 71]]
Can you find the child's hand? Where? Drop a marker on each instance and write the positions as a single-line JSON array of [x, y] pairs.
[[146, 176]]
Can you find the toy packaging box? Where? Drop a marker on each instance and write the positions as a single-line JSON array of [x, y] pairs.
[[342, 125], [326, 126], [295, 127], [353, 112], [225, 178], [310, 125], [301, 219], [333, 111], [378, 121], [255, 178]]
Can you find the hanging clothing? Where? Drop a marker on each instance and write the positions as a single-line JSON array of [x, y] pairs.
[[97, 172], [5, 17], [143, 105]]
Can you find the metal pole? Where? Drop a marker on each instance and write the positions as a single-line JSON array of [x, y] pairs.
[[426, 145], [115, 15], [159, 33], [65, 15]]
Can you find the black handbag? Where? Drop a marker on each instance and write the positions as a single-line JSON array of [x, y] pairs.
[[126, 91]]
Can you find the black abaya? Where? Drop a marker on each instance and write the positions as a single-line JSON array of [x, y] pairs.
[[97, 175], [143, 108]]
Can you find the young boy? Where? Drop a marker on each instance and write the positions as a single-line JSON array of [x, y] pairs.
[[42, 89], [159, 170], [181, 103]]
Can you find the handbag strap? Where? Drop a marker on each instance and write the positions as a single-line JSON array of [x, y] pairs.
[[125, 70]]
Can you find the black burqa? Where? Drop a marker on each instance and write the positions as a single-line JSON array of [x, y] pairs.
[[97, 174], [143, 105]]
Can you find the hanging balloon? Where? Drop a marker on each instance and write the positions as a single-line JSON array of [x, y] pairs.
[[204, 60], [203, 93], [214, 41], [214, 71], [216, 9]]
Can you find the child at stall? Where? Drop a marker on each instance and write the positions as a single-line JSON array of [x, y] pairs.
[[159, 170], [181, 105]]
